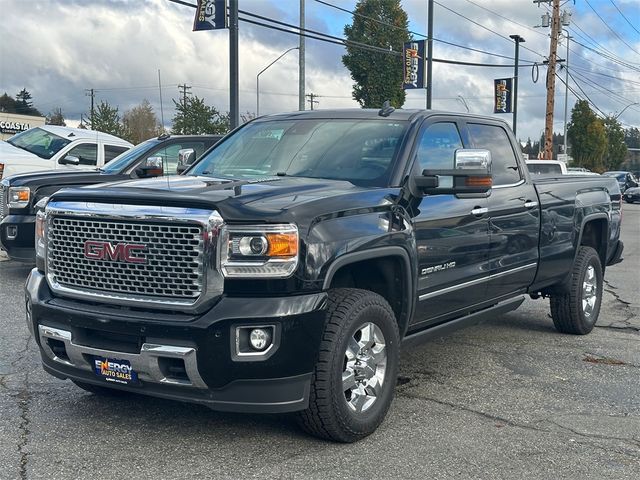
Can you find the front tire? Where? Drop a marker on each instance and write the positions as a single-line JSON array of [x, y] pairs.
[[576, 311], [354, 380]]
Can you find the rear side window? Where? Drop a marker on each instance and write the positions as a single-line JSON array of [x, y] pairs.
[[87, 153], [112, 151], [504, 166], [542, 169]]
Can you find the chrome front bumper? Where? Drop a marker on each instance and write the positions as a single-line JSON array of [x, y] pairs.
[[146, 363]]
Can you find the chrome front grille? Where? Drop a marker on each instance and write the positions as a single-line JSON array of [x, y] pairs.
[[4, 209], [170, 256]]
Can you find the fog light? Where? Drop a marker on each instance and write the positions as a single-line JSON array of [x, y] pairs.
[[259, 339]]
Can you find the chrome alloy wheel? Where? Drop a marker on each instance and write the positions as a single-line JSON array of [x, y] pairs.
[[365, 366], [589, 291]]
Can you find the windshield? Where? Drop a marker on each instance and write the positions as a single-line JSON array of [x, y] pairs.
[[39, 142], [359, 151], [619, 176], [125, 159]]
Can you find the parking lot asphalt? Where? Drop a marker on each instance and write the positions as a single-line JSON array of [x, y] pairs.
[[509, 399]]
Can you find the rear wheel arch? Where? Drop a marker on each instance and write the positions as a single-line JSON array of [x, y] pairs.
[[594, 233]]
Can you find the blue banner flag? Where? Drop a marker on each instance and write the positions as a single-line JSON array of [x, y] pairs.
[[413, 60], [210, 15], [502, 95]]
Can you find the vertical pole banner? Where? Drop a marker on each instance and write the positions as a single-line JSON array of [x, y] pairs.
[[210, 15], [502, 95], [413, 64]]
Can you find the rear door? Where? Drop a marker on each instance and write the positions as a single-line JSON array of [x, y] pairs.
[[514, 213], [452, 232]]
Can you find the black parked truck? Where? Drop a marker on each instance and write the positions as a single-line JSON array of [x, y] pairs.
[[286, 268], [19, 194]]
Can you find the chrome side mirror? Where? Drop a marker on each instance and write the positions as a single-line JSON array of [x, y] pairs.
[[473, 159], [186, 157]]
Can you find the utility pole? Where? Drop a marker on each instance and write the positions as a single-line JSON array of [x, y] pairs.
[[311, 99], [234, 100], [90, 92], [518, 39], [185, 91], [551, 76], [566, 96], [301, 60], [429, 53], [161, 109]]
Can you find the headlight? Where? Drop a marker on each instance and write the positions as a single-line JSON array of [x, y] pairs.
[[41, 227], [259, 251], [19, 197]]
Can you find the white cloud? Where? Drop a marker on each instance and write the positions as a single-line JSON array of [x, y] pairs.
[[57, 49]]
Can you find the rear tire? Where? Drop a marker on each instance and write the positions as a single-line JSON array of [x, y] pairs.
[[576, 311], [354, 380]]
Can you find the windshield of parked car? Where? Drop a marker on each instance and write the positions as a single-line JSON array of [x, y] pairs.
[[544, 169], [39, 142], [620, 176], [125, 159], [361, 151]]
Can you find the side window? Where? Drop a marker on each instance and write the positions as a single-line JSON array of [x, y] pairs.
[[437, 146], [504, 166], [87, 153], [169, 154], [112, 151]]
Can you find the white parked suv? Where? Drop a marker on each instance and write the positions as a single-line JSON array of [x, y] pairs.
[[51, 147]]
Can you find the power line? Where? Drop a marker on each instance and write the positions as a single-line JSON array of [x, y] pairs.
[[486, 28], [611, 29], [624, 16]]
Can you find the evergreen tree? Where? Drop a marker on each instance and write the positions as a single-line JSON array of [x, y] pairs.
[[7, 104], [56, 118], [616, 148], [587, 136], [197, 118], [24, 105], [377, 75], [106, 119]]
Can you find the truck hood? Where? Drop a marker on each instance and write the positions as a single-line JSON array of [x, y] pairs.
[[9, 154], [43, 178], [271, 199]]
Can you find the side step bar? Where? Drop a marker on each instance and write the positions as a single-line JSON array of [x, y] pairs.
[[470, 320]]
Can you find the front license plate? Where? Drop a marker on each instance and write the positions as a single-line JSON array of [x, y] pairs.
[[114, 370]]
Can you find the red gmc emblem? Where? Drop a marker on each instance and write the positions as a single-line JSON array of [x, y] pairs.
[[122, 252]]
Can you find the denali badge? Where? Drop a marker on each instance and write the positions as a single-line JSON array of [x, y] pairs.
[[122, 252], [438, 268]]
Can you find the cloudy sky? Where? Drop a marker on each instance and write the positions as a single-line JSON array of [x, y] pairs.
[[59, 48]]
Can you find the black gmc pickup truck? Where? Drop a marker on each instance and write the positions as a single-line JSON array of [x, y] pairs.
[[20, 193], [286, 268]]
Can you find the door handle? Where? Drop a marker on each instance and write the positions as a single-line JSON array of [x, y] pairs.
[[478, 211], [530, 204]]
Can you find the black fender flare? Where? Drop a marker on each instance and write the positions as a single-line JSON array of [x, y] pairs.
[[378, 252]]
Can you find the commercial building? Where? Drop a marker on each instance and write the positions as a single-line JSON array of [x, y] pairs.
[[12, 123]]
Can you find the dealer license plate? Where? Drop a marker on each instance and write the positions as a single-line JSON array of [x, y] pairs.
[[114, 370]]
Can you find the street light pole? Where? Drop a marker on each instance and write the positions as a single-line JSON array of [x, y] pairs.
[[622, 111], [518, 39], [261, 72]]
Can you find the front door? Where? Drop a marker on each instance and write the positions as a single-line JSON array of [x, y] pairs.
[[452, 233]]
